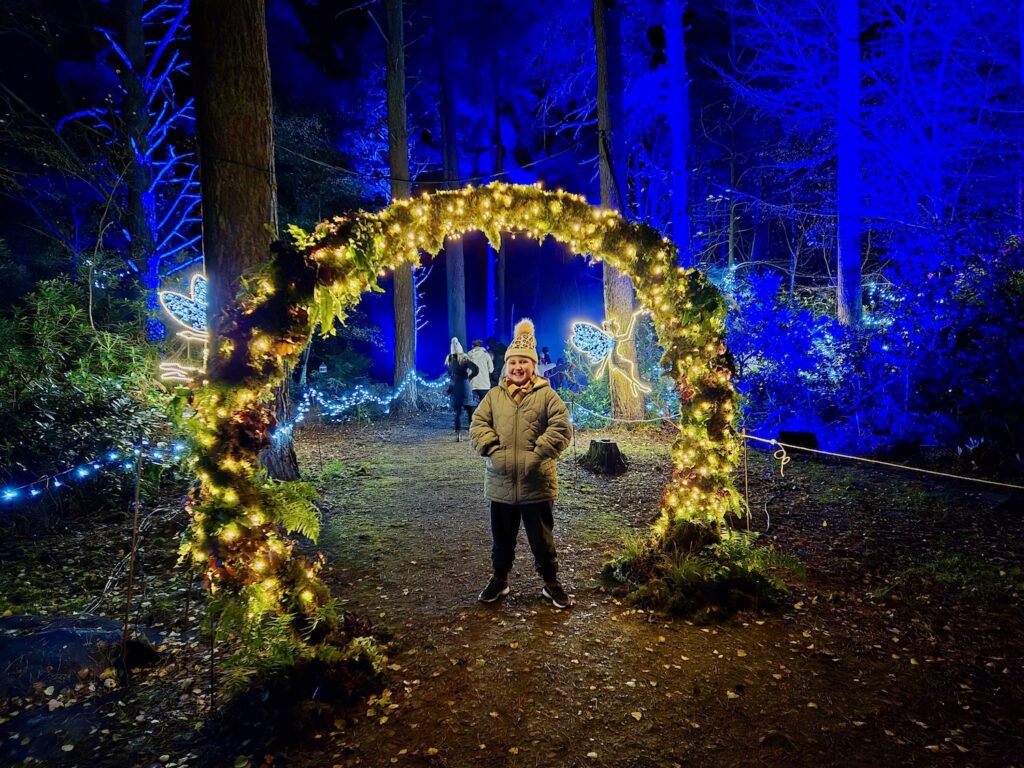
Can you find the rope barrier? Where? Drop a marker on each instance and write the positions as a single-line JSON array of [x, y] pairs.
[[780, 454], [626, 421], [785, 459]]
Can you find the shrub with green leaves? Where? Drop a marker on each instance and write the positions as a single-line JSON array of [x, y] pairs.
[[71, 390]]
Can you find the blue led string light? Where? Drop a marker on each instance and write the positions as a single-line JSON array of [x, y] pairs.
[[334, 408], [106, 462]]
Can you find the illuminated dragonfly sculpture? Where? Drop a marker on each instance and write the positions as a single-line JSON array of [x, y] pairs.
[[188, 311], [600, 345]]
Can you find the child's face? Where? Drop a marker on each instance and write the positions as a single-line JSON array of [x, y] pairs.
[[520, 369]]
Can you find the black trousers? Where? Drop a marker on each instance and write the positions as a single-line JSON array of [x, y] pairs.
[[458, 416], [538, 520]]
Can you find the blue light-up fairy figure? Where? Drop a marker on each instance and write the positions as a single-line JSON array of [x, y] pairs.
[[600, 345]]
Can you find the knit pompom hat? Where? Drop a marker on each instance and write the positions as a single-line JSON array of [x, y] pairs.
[[524, 343], [456, 346]]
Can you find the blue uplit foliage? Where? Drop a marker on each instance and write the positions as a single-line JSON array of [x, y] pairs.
[[938, 363], [791, 364], [947, 366]]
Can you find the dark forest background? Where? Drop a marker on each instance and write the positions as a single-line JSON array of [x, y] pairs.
[[857, 196]]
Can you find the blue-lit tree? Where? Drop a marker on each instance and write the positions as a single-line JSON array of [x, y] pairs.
[[797, 65], [902, 111], [146, 128], [942, 94]]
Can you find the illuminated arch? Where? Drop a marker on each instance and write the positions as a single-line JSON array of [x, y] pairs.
[[240, 520]]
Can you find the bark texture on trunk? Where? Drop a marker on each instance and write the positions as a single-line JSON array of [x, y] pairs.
[[234, 127], [401, 187], [141, 223], [619, 297], [679, 126], [849, 184], [454, 264]]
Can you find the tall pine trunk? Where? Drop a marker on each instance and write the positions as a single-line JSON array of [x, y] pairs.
[[679, 127], [454, 260], [619, 297], [401, 187], [141, 221], [501, 326], [234, 127], [848, 202]]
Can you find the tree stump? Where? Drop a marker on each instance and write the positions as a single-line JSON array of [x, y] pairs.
[[604, 458]]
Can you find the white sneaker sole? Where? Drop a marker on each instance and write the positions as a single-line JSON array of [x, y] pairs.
[[494, 599], [562, 606]]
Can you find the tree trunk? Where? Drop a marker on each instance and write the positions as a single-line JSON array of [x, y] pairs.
[[849, 183], [619, 297], [401, 187], [496, 261], [454, 266], [679, 128], [279, 458], [141, 206], [234, 128], [503, 320]]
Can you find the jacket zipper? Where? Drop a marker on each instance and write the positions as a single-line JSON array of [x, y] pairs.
[[515, 448]]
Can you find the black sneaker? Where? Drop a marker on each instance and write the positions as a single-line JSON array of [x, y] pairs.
[[553, 591], [495, 588]]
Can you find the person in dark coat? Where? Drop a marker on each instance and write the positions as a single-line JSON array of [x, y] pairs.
[[460, 370], [498, 351]]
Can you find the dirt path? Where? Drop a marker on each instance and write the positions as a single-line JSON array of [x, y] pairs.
[[845, 675]]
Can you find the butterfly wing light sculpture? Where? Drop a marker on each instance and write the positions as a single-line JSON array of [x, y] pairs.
[[188, 311]]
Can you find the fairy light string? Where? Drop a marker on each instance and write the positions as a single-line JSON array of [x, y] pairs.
[[335, 407], [107, 461]]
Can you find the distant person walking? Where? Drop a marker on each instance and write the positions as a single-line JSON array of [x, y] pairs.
[[522, 426], [482, 360], [498, 352], [460, 370]]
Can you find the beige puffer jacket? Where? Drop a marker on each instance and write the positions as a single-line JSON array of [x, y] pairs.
[[522, 443]]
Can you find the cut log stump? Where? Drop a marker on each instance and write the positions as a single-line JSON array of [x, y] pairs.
[[604, 458]]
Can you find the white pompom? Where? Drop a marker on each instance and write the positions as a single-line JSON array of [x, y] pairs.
[[524, 326]]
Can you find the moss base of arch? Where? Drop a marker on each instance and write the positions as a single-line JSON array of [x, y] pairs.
[[700, 572]]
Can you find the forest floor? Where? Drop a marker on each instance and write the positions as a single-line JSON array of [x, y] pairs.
[[904, 645]]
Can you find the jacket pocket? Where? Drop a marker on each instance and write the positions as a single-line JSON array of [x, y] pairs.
[[532, 466], [496, 461]]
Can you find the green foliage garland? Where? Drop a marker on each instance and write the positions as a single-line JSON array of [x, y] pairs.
[[241, 519]]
